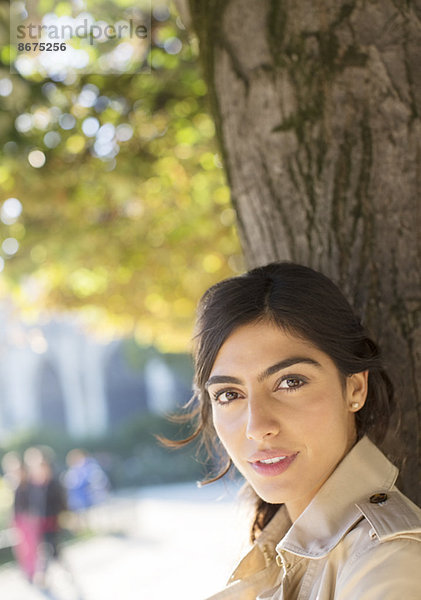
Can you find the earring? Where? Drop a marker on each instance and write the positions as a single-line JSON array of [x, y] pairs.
[[355, 405]]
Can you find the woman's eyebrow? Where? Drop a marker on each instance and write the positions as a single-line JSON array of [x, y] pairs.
[[283, 364], [222, 379]]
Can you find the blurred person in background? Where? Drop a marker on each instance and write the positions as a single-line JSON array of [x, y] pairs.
[[46, 500], [24, 523], [85, 481]]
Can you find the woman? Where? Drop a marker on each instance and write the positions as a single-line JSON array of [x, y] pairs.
[[292, 387]]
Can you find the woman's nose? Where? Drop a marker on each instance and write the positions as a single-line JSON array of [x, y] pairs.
[[263, 419]]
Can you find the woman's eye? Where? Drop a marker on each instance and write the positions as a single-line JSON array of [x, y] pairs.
[[291, 383], [225, 396]]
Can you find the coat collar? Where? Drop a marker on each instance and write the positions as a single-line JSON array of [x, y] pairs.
[[333, 511]]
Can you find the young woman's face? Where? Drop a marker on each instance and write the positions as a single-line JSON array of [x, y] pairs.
[[282, 412]]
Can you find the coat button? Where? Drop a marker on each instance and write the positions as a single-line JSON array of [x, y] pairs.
[[378, 498]]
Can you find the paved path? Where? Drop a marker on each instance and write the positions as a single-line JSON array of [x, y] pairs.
[[166, 543]]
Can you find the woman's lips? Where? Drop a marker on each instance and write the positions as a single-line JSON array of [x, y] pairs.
[[272, 463]]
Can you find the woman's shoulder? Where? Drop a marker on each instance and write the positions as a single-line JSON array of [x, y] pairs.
[[385, 517], [384, 550], [391, 515]]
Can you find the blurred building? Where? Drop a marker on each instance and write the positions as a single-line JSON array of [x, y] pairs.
[[54, 374]]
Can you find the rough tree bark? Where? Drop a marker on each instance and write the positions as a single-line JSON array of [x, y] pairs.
[[317, 107]]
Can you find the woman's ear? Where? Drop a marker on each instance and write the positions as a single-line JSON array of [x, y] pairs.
[[356, 390]]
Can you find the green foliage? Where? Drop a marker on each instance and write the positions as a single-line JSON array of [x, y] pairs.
[[148, 462], [132, 222], [130, 454]]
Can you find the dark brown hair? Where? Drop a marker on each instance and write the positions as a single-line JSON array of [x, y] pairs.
[[303, 302]]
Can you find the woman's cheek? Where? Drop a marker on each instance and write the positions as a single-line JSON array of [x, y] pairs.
[[226, 425]]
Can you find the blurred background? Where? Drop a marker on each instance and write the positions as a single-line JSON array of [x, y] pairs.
[[115, 217]]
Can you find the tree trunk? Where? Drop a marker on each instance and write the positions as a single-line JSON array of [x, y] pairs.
[[317, 107]]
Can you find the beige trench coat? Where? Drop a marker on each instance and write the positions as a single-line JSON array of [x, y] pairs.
[[359, 539]]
